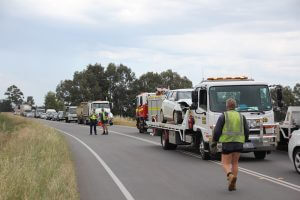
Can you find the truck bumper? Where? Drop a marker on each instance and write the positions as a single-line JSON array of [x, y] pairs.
[[260, 144]]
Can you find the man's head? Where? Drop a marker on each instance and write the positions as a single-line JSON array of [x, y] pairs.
[[102, 109], [230, 104]]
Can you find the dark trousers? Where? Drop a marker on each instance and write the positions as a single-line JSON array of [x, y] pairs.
[[93, 124]]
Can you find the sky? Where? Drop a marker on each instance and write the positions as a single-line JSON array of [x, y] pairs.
[[45, 41]]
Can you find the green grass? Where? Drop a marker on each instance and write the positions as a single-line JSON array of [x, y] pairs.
[[35, 161], [125, 121]]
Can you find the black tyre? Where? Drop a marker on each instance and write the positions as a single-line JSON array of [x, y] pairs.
[[296, 156], [177, 117], [204, 150], [260, 155], [165, 141], [162, 118]]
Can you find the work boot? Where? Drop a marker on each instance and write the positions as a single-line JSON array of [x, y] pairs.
[[234, 187], [231, 181]]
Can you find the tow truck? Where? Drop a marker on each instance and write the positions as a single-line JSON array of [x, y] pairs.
[[290, 124], [209, 99]]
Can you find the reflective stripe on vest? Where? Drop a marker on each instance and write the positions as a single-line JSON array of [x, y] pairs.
[[233, 129], [93, 117]]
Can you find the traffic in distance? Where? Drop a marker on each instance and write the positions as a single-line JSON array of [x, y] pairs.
[[188, 116]]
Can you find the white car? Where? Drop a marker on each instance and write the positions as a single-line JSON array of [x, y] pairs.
[[172, 106], [294, 149], [43, 116]]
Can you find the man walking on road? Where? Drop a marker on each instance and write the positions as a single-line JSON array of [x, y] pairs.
[[104, 121], [93, 123], [232, 131]]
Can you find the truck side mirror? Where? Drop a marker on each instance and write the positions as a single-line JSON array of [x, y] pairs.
[[195, 99], [279, 97]]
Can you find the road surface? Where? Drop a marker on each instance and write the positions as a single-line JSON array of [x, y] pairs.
[[128, 165]]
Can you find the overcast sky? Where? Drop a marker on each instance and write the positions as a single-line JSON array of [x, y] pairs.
[[45, 41]]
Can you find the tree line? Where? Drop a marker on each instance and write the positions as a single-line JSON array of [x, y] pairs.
[[117, 84], [15, 97]]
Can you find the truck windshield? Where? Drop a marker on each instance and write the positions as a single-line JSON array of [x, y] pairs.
[[185, 95], [100, 105], [248, 98], [72, 110], [296, 117]]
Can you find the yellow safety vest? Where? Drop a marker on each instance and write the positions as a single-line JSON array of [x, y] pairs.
[[233, 129]]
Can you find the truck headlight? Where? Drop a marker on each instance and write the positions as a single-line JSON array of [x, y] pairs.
[[253, 123]]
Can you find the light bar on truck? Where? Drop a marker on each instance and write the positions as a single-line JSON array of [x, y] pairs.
[[227, 78]]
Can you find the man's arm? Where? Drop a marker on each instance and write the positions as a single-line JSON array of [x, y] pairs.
[[218, 128]]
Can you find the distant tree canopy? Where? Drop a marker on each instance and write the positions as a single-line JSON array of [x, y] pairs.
[[30, 100], [14, 95], [52, 102], [291, 97], [117, 84]]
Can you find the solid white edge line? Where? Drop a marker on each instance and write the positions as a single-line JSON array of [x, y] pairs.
[[247, 171], [137, 138], [123, 189], [253, 173]]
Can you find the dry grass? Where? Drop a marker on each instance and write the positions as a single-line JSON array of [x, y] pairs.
[[35, 162], [125, 121]]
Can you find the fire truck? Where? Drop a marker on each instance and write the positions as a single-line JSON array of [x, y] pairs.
[[209, 102], [142, 111]]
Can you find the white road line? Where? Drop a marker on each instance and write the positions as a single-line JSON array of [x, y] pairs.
[[244, 170], [123, 189], [137, 138], [253, 173]]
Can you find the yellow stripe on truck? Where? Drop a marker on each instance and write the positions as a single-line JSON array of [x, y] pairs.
[[154, 109]]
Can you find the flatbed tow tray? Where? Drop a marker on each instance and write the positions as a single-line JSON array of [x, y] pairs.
[[166, 126]]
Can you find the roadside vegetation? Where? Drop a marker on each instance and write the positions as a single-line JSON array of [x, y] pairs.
[[124, 121], [35, 162]]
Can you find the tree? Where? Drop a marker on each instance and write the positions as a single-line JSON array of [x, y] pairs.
[[51, 102], [173, 80], [120, 89], [14, 95], [5, 106], [289, 99], [30, 100], [296, 92]]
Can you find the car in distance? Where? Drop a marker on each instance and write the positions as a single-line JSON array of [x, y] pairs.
[[173, 105], [60, 116], [294, 149], [43, 116], [50, 114]]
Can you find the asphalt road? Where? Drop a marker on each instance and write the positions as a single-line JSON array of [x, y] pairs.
[[128, 165]]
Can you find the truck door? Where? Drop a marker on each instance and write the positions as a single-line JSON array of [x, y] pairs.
[[203, 111]]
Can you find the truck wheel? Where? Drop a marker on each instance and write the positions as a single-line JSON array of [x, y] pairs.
[[296, 159], [260, 155], [162, 118], [177, 117], [204, 152], [165, 141]]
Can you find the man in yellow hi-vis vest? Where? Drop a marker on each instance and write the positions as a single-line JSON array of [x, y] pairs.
[[232, 131], [104, 121], [93, 122]]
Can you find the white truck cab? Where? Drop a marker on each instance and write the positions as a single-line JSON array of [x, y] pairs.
[[253, 101]]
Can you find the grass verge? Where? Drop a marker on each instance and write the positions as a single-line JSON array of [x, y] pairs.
[[124, 121], [35, 161]]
